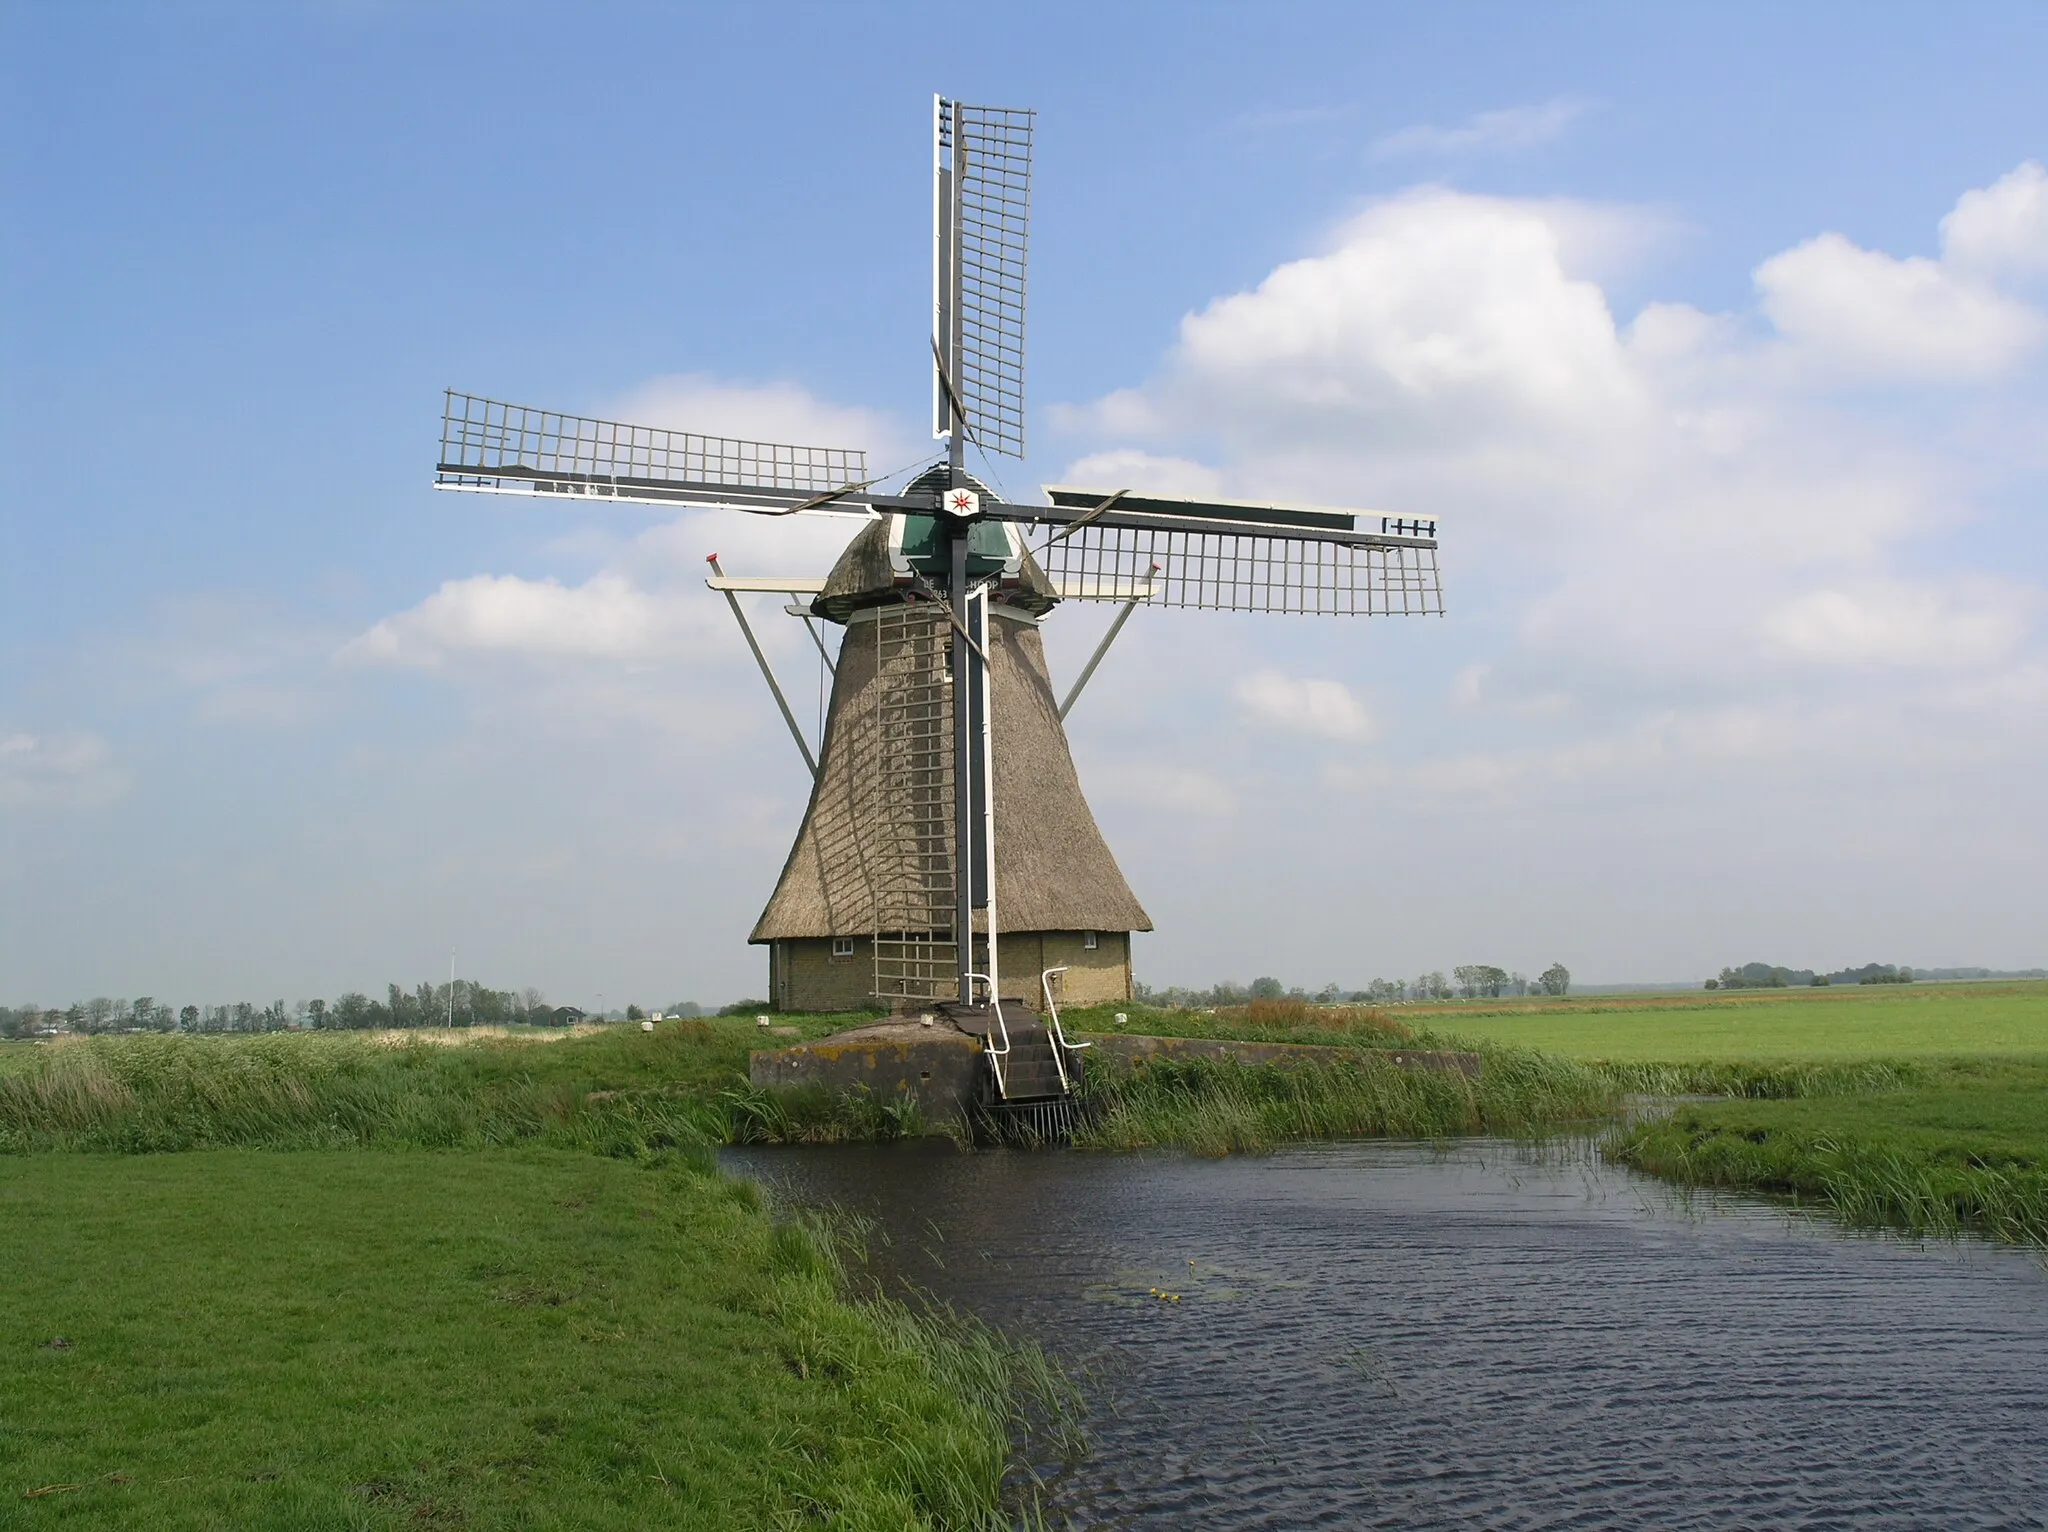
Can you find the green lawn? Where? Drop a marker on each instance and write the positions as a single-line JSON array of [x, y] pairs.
[[495, 1338], [1867, 1021]]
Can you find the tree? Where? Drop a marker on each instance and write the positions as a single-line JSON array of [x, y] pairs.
[[1477, 979], [1556, 980], [356, 1011], [634, 1013], [1268, 989], [316, 1013], [1432, 986]]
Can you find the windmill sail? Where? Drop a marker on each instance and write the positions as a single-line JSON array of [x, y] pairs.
[[981, 218], [908, 815], [513, 449], [1230, 556]]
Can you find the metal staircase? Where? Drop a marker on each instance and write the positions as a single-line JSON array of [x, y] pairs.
[[1032, 1091]]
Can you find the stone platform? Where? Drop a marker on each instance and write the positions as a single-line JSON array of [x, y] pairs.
[[937, 1065]]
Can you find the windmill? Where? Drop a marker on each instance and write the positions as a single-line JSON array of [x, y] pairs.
[[943, 776]]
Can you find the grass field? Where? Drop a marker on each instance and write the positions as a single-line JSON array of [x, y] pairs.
[[525, 1338], [1866, 1021]]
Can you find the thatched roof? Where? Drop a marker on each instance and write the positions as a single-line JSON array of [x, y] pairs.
[[1053, 870]]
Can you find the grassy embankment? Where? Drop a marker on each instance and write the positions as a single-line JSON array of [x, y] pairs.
[[1921, 1107], [1224, 1108], [614, 1090], [528, 1334]]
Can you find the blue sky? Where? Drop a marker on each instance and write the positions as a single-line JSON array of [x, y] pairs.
[[1739, 451]]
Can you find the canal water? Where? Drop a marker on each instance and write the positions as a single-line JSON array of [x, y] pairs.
[[1485, 1335]]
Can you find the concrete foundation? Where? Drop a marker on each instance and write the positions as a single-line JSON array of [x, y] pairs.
[[938, 1066]]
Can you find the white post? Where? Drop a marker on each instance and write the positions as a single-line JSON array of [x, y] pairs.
[[988, 785]]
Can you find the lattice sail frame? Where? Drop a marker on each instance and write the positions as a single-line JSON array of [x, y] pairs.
[[515, 449], [1243, 572], [907, 818], [981, 235]]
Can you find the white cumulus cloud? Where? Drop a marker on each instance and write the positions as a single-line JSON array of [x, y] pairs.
[[1667, 537], [1871, 315], [603, 618], [1324, 709], [780, 412], [2000, 227], [1899, 625]]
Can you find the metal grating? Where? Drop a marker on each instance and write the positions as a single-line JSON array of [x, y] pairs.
[[991, 175], [908, 818], [486, 444], [1227, 572]]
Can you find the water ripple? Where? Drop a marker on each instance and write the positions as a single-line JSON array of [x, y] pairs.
[[1374, 1335]]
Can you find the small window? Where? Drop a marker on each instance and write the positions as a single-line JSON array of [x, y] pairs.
[[842, 946], [1088, 940]]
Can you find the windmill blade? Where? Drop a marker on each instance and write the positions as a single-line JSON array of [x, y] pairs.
[[981, 219], [511, 449], [1236, 556]]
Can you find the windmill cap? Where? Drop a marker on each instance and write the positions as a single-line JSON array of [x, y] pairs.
[[902, 558]]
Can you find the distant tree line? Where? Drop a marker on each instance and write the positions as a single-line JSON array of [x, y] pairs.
[[464, 1003], [1471, 981], [1770, 976]]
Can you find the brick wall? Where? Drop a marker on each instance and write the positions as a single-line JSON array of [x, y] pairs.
[[804, 976]]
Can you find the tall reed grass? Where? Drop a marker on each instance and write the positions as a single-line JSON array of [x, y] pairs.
[[1224, 1107], [958, 1447], [318, 1091], [1762, 1082], [1865, 1180]]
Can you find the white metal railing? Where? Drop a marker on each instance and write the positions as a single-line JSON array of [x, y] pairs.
[[1052, 1026], [995, 1055]]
